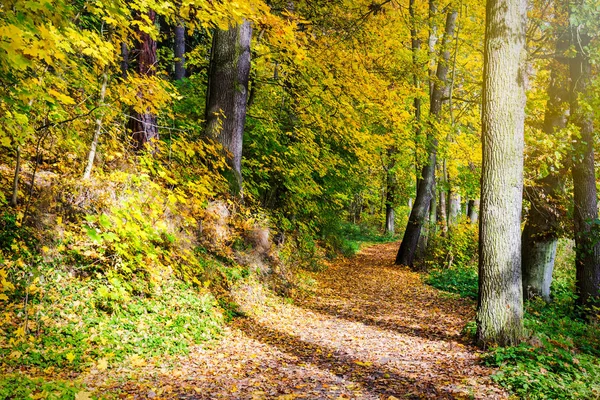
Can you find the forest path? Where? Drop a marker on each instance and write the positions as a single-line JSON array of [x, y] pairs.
[[372, 331]]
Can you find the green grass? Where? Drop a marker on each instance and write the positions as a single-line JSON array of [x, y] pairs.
[[354, 236], [78, 323], [19, 386], [459, 280]]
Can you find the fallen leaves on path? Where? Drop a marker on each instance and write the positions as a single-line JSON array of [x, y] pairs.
[[372, 331]]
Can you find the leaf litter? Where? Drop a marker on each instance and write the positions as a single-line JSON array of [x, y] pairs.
[[372, 330]]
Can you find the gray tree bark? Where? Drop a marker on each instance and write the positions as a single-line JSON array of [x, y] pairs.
[[540, 235], [228, 93], [473, 211], [179, 51], [500, 303], [585, 214], [454, 211], [390, 194], [94, 145], [420, 210]]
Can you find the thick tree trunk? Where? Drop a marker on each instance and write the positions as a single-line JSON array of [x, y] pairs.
[[144, 125], [538, 255], [500, 303], [473, 212], [585, 214], [179, 51], [228, 93], [420, 210], [540, 235]]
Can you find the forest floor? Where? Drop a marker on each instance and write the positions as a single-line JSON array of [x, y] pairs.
[[371, 331]]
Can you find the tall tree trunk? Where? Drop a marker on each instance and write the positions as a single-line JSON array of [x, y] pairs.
[[585, 214], [14, 200], [228, 92], [473, 212], [92, 154], [390, 194], [419, 213], [443, 209], [540, 235], [433, 213], [539, 240], [500, 303], [124, 60], [415, 44], [454, 210], [389, 220], [144, 124], [179, 51]]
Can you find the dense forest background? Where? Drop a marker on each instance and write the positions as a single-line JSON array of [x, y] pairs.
[[155, 154]]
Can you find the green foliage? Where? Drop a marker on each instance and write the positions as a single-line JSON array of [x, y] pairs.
[[561, 360], [454, 258], [458, 248], [460, 280], [353, 236], [19, 386], [72, 324]]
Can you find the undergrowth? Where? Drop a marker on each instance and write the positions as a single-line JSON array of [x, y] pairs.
[[354, 236], [561, 357]]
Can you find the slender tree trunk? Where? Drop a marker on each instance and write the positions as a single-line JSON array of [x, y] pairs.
[[144, 125], [420, 210], [124, 59], [540, 235], [585, 214], [415, 44], [228, 92], [179, 51], [431, 42], [433, 213], [92, 154], [389, 220], [454, 210], [443, 209], [500, 303], [390, 194], [14, 201]]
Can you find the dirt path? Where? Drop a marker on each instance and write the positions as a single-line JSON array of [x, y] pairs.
[[372, 331]]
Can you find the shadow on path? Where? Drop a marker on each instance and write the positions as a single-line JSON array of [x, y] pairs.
[[374, 378]]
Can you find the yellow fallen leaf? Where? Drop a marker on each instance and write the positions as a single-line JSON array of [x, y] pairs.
[[83, 396], [70, 356], [102, 364], [363, 363], [137, 361]]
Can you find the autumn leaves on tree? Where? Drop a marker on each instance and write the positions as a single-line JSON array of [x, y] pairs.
[[321, 114]]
